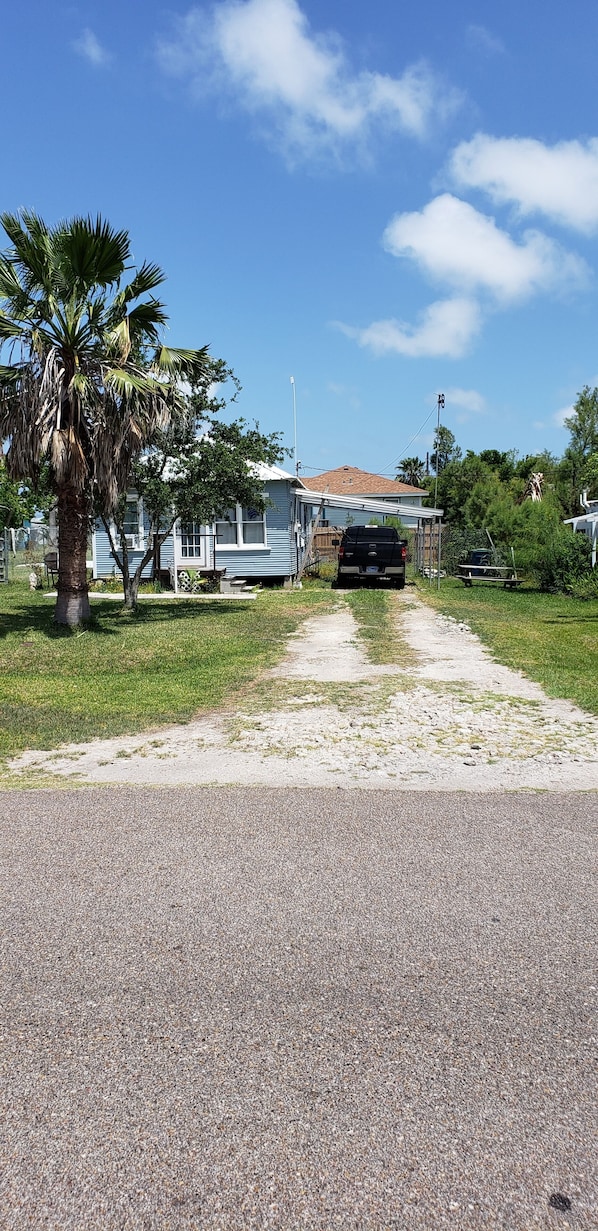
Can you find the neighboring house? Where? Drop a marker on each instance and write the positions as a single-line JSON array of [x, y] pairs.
[[587, 523], [361, 485], [261, 546]]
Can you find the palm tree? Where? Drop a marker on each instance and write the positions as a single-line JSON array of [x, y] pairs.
[[87, 380], [411, 470]]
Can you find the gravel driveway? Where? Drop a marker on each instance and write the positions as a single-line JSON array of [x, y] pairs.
[[356, 1010], [447, 718]]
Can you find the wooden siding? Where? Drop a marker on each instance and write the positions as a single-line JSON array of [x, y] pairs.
[[277, 558]]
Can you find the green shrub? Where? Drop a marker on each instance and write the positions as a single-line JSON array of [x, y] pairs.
[[106, 585], [559, 563], [586, 586]]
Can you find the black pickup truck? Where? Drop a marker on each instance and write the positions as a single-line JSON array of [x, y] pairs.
[[370, 555]]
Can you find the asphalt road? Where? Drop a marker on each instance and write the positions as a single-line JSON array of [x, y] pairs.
[[242, 1008]]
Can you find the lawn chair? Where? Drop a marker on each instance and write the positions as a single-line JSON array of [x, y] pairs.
[[51, 567]]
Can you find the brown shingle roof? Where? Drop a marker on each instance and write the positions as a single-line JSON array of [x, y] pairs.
[[350, 481]]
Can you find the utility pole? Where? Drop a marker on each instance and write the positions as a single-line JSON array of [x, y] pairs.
[[440, 406]]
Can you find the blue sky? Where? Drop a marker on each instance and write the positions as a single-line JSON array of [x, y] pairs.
[[386, 201]]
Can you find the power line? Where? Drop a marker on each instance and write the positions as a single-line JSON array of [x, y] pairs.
[[407, 446]]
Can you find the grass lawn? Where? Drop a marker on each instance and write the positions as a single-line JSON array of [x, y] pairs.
[[127, 673], [373, 610], [551, 638]]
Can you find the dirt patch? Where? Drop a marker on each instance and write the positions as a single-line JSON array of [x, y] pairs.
[[453, 719]]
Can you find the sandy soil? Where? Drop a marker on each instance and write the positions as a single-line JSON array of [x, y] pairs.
[[449, 719]]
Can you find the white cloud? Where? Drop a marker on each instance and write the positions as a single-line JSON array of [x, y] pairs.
[[454, 243], [559, 416], [560, 181], [445, 329], [466, 399], [264, 52], [482, 39], [89, 46]]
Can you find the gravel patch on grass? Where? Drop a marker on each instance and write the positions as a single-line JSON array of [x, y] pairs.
[[450, 719]]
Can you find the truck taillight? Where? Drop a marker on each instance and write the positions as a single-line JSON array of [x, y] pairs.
[[403, 553], [341, 552]]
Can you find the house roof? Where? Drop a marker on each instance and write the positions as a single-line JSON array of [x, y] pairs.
[[269, 473], [350, 481]]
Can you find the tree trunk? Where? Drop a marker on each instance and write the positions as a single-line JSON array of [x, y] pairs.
[[131, 589], [72, 604]]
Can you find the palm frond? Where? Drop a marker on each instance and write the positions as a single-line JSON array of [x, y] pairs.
[[10, 284], [126, 383], [119, 340], [90, 252], [177, 361], [31, 251], [10, 328], [10, 378], [146, 279], [146, 320]]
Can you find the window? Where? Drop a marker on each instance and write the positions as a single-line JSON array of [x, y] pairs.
[[241, 527], [252, 526], [131, 519], [226, 529], [133, 524], [191, 539]]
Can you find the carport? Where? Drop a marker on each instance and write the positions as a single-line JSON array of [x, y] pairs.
[[432, 518]]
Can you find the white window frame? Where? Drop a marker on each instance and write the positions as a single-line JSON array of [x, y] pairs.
[[238, 523], [138, 543], [203, 535]]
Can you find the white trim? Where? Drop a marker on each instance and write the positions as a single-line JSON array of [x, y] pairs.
[[224, 547], [332, 500], [240, 545]]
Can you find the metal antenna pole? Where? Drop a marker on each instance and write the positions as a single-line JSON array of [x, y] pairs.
[[295, 426]]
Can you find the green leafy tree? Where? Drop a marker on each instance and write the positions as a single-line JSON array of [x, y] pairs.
[[455, 485], [411, 470], [195, 470], [590, 476], [88, 380], [445, 450], [583, 428], [583, 423], [503, 464], [17, 502]]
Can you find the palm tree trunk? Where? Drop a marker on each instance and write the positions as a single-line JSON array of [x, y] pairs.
[[72, 604]]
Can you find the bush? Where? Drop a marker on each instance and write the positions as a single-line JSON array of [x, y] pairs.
[[106, 585], [586, 586], [561, 562]]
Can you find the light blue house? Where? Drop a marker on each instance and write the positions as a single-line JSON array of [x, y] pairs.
[[269, 547], [246, 543]]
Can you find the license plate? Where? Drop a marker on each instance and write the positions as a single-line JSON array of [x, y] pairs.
[[371, 568]]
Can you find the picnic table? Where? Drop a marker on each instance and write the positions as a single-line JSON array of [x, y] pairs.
[[491, 574]]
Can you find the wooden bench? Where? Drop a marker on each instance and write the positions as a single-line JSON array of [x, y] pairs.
[[491, 574]]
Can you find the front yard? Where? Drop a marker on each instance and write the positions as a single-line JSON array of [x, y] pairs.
[[173, 661], [124, 673], [551, 638]]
